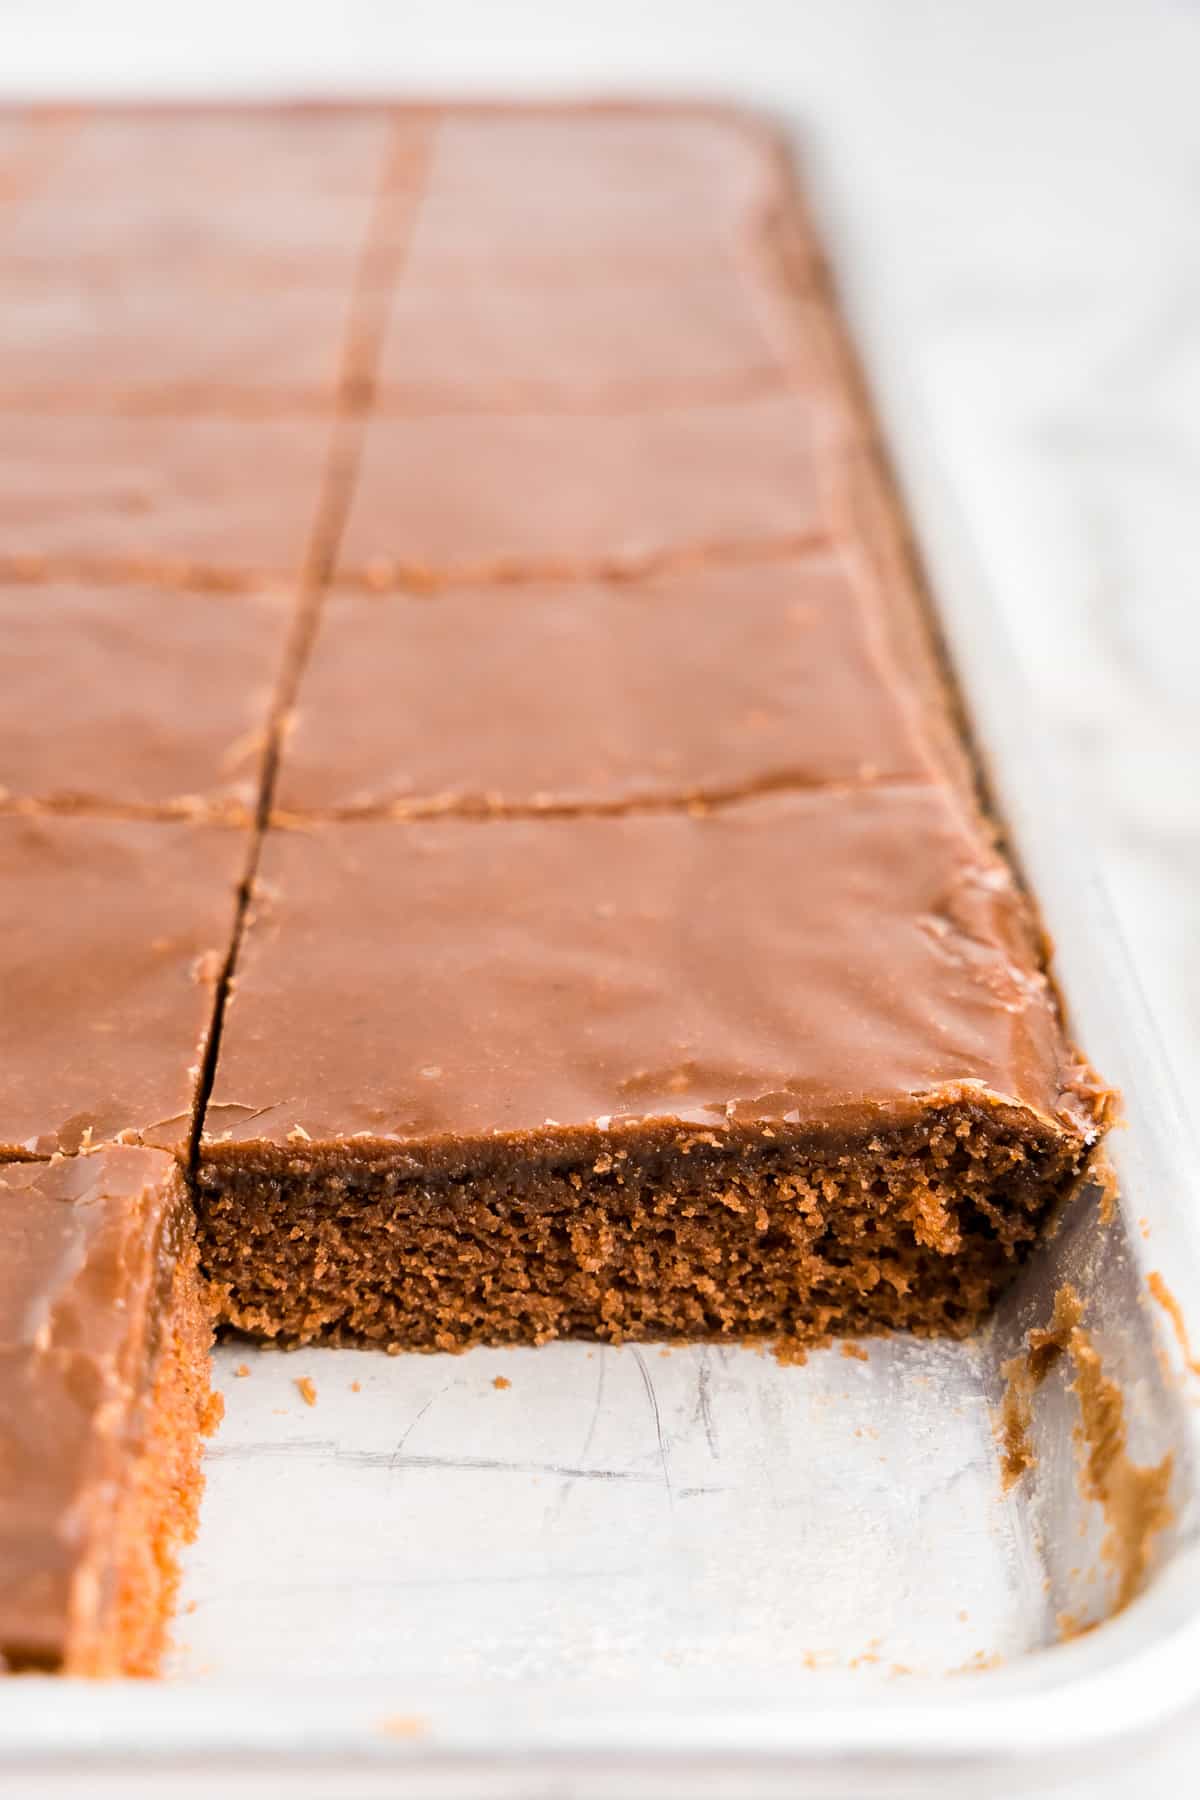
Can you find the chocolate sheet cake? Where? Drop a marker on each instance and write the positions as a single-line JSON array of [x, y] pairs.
[[480, 790]]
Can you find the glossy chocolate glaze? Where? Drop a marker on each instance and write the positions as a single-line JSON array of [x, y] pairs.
[[564, 190], [111, 495], [620, 337], [591, 695], [455, 496], [195, 189], [815, 960], [113, 933], [159, 697], [127, 333]]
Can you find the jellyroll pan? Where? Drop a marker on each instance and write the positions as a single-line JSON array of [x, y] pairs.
[[515, 856]]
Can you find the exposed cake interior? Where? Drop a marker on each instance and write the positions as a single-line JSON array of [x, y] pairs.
[[659, 1234], [159, 1511]]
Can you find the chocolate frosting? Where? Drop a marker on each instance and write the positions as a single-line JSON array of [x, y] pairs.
[[159, 697], [812, 959], [569, 191], [127, 332], [200, 260], [597, 221], [113, 933], [244, 190], [620, 337], [707, 681], [458, 496], [110, 494]]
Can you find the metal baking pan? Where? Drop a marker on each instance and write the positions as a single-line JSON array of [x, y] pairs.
[[696, 1572]]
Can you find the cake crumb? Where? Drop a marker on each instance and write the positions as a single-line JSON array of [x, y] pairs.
[[501, 1381], [242, 1370], [1015, 1423], [791, 1353], [1132, 1497], [308, 1391], [1105, 1178], [404, 1725], [356, 1387], [856, 1351], [1170, 1305], [206, 969], [979, 1663], [1023, 1375]]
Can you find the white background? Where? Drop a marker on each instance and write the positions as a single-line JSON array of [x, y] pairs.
[[1022, 180]]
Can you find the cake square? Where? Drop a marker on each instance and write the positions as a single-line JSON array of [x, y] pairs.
[[160, 698], [787, 1066], [622, 334], [699, 683], [113, 936], [218, 499], [278, 186], [540, 188], [172, 337], [448, 496], [104, 1398]]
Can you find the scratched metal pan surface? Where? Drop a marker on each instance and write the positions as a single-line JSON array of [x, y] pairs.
[[699, 1573]]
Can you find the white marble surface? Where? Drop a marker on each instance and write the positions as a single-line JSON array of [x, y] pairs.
[[1022, 180], [1033, 191]]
